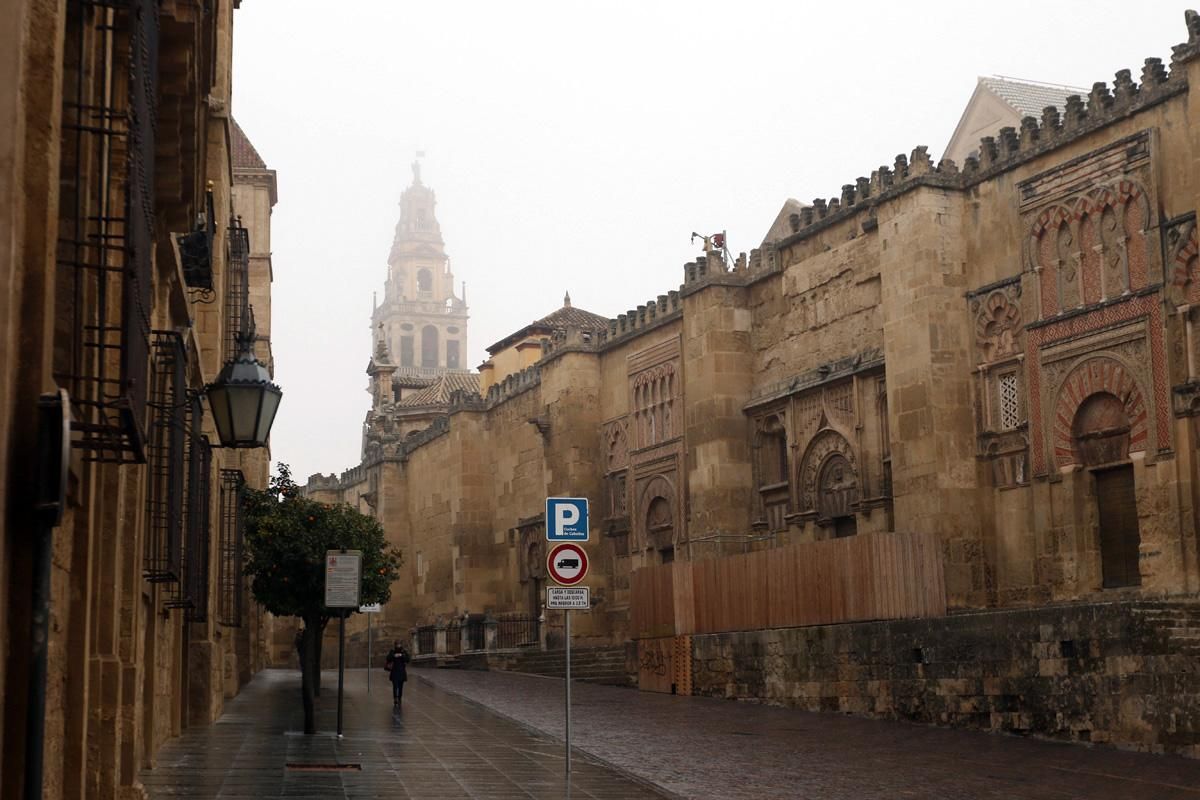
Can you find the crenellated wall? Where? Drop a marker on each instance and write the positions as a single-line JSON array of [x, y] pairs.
[[1002, 355]]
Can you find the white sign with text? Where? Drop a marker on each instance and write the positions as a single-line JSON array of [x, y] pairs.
[[343, 576], [575, 598]]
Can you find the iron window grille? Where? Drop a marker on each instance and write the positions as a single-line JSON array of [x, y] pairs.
[[196, 249], [165, 461], [191, 594], [231, 543], [237, 288], [106, 223]]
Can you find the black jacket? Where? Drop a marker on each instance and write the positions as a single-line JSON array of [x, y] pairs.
[[397, 665]]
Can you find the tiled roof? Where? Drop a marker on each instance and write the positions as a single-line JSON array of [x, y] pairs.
[[1028, 98], [438, 392], [566, 317], [244, 155], [571, 317]]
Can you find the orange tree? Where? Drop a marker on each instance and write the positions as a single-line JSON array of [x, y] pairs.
[[287, 536]]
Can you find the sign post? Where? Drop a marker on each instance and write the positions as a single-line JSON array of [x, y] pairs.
[[343, 578], [567, 564], [374, 608]]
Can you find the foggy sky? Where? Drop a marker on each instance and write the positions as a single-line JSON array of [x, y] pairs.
[[575, 146]]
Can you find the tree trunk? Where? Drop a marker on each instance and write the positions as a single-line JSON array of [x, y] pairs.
[[309, 671], [319, 626]]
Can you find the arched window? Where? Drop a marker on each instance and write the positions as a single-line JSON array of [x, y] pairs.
[[429, 346], [425, 281]]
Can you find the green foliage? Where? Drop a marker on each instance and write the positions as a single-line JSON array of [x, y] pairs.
[[286, 539]]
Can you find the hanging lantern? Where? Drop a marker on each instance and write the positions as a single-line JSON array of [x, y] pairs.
[[243, 399]]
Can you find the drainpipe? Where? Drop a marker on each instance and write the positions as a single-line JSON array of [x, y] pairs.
[[52, 460]]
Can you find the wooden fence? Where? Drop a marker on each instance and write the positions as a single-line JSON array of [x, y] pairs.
[[864, 577]]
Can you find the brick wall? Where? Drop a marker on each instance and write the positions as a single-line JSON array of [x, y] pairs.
[[1125, 673]]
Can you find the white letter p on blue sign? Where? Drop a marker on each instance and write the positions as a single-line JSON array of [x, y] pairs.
[[566, 519]]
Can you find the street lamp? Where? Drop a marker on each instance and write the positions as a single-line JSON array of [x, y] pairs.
[[242, 398]]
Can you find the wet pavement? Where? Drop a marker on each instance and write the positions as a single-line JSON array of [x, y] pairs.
[[709, 748], [437, 746]]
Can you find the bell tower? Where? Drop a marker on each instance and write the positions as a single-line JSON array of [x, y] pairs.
[[421, 319]]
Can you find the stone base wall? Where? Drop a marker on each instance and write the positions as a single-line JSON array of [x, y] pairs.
[[1125, 673]]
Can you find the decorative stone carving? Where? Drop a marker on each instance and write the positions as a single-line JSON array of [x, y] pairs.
[[616, 443], [532, 543], [822, 488], [1099, 374], [837, 487], [1091, 246], [1181, 265], [1008, 452], [658, 504], [998, 324]]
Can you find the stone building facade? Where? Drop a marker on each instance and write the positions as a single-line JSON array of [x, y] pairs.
[[999, 354], [135, 222]]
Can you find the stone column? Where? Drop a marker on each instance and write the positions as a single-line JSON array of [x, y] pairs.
[[718, 374], [439, 639], [922, 263]]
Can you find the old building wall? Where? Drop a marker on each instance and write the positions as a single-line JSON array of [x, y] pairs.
[[1044, 529], [929, 401], [824, 305], [120, 659]]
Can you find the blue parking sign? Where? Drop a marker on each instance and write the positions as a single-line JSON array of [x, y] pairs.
[[566, 519]]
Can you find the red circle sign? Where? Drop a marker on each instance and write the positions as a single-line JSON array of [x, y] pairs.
[[567, 564]]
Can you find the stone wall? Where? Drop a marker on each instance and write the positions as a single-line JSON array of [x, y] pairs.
[[1122, 673]]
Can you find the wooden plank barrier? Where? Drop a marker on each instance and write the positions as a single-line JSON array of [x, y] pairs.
[[857, 578]]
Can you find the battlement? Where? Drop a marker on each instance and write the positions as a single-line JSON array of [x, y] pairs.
[[571, 340], [319, 482], [513, 385], [1081, 116], [647, 315]]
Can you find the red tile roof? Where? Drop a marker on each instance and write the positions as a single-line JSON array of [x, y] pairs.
[[244, 155], [560, 320], [438, 393]]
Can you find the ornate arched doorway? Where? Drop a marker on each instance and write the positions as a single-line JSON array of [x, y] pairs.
[[1100, 440]]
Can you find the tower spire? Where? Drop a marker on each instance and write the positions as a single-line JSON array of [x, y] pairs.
[[416, 167]]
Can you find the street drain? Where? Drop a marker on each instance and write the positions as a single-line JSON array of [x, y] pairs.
[[296, 767]]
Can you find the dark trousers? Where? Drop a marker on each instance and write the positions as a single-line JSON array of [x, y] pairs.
[[397, 691]]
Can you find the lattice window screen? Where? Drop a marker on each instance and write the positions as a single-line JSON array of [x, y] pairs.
[[1010, 403]]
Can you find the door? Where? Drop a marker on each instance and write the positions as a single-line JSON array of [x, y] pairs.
[[1119, 537]]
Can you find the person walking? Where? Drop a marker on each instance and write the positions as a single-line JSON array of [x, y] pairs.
[[397, 667]]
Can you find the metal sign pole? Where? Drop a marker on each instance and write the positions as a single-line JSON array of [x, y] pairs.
[[567, 615], [341, 666], [368, 653]]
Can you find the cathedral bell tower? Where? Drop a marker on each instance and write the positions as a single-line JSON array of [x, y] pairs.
[[421, 319]]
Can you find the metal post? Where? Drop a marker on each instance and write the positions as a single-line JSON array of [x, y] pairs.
[[567, 615], [341, 666], [52, 459], [369, 665]]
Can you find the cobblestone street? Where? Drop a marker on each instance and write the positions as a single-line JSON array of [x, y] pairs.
[[438, 747], [706, 748]]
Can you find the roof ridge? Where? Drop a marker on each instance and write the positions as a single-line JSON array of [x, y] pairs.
[[1041, 84]]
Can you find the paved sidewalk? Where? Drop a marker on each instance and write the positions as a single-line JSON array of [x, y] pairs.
[[708, 748], [438, 746]]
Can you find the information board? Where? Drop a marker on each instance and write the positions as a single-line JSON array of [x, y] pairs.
[[343, 576]]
